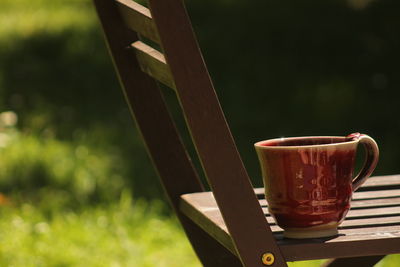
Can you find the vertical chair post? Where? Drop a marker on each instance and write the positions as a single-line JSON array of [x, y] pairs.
[[152, 117], [217, 151]]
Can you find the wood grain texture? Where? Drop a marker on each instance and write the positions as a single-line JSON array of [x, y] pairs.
[[138, 19], [381, 183], [379, 194], [168, 154], [374, 229], [217, 151], [153, 63]]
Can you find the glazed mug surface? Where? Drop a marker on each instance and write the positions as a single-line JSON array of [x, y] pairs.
[[309, 180]]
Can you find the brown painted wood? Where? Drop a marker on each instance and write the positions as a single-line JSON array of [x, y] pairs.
[[368, 261], [379, 194], [210, 252], [370, 221], [220, 159], [383, 202], [138, 19], [377, 227], [381, 183], [373, 212], [153, 63], [152, 117]]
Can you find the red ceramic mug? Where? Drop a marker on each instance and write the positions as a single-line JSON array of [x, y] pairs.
[[309, 180]]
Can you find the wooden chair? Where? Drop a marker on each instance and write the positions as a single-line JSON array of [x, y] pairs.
[[231, 225]]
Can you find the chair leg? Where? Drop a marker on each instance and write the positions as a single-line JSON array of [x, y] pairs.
[[367, 261], [209, 251]]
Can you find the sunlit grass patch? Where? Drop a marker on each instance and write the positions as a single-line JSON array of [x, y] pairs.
[[122, 234], [25, 18]]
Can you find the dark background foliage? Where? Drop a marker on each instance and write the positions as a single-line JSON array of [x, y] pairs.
[[281, 68]]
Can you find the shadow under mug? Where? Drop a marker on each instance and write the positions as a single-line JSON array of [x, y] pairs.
[[309, 180]]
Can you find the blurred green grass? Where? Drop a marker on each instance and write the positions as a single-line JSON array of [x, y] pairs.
[[20, 18], [119, 234], [74, 174], [69, 167]]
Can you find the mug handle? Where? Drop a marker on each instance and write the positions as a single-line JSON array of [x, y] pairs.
[[371, 158]]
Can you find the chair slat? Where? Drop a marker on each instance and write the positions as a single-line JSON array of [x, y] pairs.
[[380, 202], [138, 18], [376, 194], [390, 220], [153, 63], [381, 182], [373, 212]]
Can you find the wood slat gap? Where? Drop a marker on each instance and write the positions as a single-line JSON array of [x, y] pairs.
[[153, 63], [138, 18]]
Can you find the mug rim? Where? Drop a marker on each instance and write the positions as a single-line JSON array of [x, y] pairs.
[[260, 146]]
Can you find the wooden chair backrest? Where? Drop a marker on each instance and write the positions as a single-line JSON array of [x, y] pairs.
[[182, 68]]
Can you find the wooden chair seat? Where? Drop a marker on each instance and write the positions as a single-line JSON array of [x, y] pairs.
[[372, 226]]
